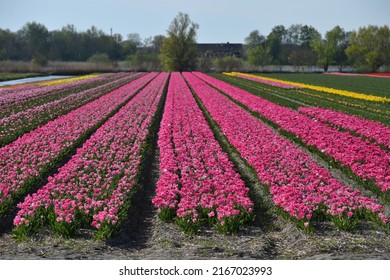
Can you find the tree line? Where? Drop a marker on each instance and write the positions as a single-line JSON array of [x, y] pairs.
[[34, 42], [367, 48]]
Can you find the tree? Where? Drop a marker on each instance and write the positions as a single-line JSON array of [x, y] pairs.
[[274, 44], [307, 35], [65, 44], [258, 56], [370, 46], [293, 34], [340, 57], [145, 56], [205, 64], [331, 49], [254, 39], [291, 45], [256, 50], [132, 44], [9, 49], [100, 58], [229, 63], [157, 43], [178, 51], [302, 57], [34, 38]]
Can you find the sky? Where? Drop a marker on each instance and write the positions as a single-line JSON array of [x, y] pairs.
[[219, 20]]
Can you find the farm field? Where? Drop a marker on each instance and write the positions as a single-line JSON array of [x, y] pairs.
[[298, 97], [196, 166], [360, 84]]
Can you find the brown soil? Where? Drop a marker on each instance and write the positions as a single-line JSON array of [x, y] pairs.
[[144, 236], [157, 240]]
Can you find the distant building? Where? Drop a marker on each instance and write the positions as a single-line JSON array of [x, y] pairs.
[[220, 50]]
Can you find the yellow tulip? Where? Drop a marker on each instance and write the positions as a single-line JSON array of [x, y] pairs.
[[362, 96], [67, 80]]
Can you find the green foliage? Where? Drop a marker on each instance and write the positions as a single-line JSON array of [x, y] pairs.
[[132, 44], [282, 46], [257, 52], [39, 60], [189, 225], [229, 63], [254, 39], [232, 224], [330, 49], [322, 50], [35, 39], [274, 43], [370, 47], [14, 76], [302, 56], [167, 214], [205, 64], [100, 58], [178, 51], [258, 56], [144, 62]]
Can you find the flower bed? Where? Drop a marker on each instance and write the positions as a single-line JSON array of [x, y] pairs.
[[17, 124], [346, 93], [374, 131], [198, 183], [26, 160], [299, 186], [93, 188], [17, 99], [366, 160]]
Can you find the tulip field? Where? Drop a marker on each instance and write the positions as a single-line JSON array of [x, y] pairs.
[[197, 181], [73, 152]]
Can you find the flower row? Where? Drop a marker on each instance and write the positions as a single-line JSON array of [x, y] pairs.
[[314, 98], [372, 130], [346, 93], [24, 161], [297, 184], [94, 186], [198, 183], [14, 99], [259, 79], [366, 160], [17, 124]]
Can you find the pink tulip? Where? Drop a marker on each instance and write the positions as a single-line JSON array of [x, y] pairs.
[[28, 157], [98, 179], [297, 184], [366, 160], [196, 175]]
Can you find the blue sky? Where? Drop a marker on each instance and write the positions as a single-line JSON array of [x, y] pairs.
[[219, 20]]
